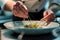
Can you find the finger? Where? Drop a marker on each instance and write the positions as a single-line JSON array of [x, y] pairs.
[[46, 18], [17, 8], [43, 19], [20, 8], [50, 18], [14, 7], [19, 14], [20, 3], [22, 14], [45, 13], [23, 7], [17, 3]]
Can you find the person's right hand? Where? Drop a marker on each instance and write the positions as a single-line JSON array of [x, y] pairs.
[[20, 10], [48, 16]]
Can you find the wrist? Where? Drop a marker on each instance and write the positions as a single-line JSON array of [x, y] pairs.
[[9, 5]]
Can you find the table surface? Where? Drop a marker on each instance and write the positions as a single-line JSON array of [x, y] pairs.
[[11, 35]]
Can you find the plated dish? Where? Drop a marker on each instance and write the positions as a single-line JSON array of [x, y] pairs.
[[31, 27]]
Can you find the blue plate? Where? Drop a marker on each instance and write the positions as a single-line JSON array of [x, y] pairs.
[[18, 26]]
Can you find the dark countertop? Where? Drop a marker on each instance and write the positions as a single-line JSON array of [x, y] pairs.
[[13, 35]]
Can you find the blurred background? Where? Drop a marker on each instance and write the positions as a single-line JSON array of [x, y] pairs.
[[6, 16]]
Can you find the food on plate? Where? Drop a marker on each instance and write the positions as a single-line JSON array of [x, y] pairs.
[[33, 25]]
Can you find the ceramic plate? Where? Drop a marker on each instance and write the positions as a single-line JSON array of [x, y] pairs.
[[18, 26]]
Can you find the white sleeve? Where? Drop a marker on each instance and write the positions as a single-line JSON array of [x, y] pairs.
[[56, 1], [2, 3]]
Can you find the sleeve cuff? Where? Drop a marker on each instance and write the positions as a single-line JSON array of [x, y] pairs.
[[56, 1]]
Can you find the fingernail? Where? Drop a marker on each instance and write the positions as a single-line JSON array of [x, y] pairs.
[[17, 3]]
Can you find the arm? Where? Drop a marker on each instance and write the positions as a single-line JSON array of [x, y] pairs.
[[9, 5], [18, 8], [49, 14], [54, 7]]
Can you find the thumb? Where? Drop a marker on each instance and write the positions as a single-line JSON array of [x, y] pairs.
[[45, 13]]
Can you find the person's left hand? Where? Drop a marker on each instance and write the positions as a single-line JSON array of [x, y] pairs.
[[48, 16], [20, 10]]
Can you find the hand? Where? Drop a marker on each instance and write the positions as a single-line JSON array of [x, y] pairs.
[[20, 10], [48, 16]]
